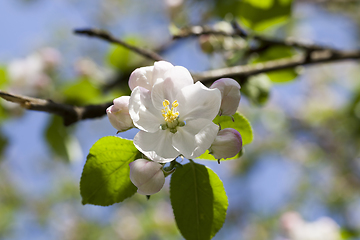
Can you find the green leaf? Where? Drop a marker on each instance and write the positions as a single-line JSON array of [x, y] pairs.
[[199, 201], [224, 7], [3, 76], [57, 136], [274, 53], [241, 124], [105, 178], [81, 92], [3, 143], [257, 89], [260, 15], [122, 58]]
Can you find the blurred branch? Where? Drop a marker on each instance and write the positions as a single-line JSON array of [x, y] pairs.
[[98, 33], [313, 54], [244, 71], [69, 113], [240, 32], [289, 42], [72, 114]]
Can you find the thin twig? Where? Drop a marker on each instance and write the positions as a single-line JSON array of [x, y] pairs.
[[240, 32], [289, 42], [298, 60], [69, 113], [98, 33]]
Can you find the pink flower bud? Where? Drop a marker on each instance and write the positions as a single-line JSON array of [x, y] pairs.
[[227, 144], [230, 95], [118, 114], [147, 176]]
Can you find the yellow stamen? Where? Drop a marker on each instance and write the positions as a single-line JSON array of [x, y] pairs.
[[170, 114]]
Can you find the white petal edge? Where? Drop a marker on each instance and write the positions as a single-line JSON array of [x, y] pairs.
[[160, 68], [195, 137], [177, 78], [156, 146], [141, 77]]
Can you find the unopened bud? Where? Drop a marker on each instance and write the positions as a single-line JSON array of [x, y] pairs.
[[230, 95], [118, 114], [147, 176], [227, 144]]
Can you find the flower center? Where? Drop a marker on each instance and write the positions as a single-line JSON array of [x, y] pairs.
[[171, 116]]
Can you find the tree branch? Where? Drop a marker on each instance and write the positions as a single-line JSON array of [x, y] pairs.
[[196, 31], [313, 54], [98, 33], [70, 114], [244, 71]]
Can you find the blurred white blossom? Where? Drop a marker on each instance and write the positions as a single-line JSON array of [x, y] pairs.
[[31, 75], [298, 229]]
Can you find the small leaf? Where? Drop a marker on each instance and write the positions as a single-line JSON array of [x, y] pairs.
[[3, 143], [260, 15], [199, 201], [122, 58], [56, 136], [106, 175], [81, 92], [3, 76], [257, 89]]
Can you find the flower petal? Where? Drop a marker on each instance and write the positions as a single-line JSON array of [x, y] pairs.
[[142, 111], [163, 89], [198, 101], [142, 77], [157, 146], [168, 88], [180, 77], [160, 68], [195, 137]]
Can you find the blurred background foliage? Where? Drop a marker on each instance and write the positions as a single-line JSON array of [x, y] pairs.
[[305, 156]]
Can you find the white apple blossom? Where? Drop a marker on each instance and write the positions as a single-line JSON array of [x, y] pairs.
[[230, 94], [175, 115], [298, 229], [227, 144], [27, 75], [118, 114], [147, 176]]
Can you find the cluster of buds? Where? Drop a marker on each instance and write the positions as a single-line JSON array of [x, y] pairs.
[[175, 117]]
